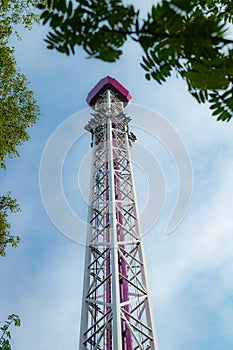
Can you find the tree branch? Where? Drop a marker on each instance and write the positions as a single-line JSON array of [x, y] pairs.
[[164, 35]]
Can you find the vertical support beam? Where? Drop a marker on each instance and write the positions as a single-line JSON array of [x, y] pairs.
[[116, 324], [86, 280]]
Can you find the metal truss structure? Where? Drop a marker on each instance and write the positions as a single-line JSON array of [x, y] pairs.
[[116, 309]]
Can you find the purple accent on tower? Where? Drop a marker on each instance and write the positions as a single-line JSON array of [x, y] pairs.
[[108, 271], [123, 283], [112, 84]]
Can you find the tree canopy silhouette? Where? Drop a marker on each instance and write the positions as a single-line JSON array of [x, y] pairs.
[[185, 37]]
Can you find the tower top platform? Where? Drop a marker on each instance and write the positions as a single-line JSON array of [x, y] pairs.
[[108, 83]]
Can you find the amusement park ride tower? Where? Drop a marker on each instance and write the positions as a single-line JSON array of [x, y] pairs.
[[116, 308]]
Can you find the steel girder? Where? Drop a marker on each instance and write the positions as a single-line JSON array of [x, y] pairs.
[[116, 308]]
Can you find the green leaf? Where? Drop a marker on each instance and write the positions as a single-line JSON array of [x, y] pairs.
[[202, 96], [108, 54], [70, 8], [46, 16], [225, 116], [41, 6], [144, 67], [218, 111], [227, 93]]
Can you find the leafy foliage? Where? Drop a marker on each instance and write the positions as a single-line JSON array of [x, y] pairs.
[[96, 25], [18, 109], [6, 335], [7, 204], [18, 11], [186, 37]]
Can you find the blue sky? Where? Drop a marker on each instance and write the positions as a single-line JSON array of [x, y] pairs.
[[190, 271]]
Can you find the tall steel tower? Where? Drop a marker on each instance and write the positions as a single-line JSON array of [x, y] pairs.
[[116, 309]]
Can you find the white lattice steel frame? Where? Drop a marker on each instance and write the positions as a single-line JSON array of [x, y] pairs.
[[116, 308]]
